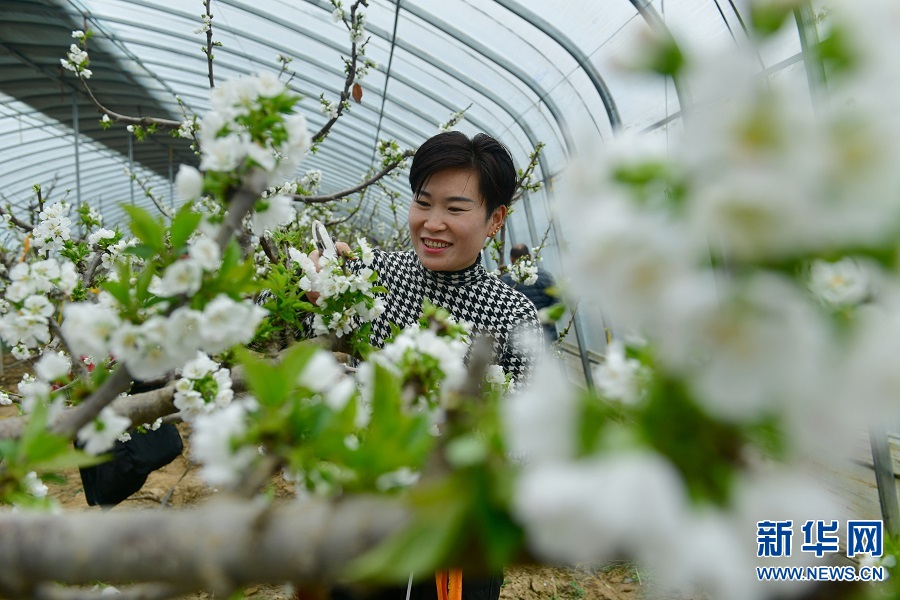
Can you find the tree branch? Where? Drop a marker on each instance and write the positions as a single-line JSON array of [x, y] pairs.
[[209, 44], [355, 189], [92, 268], [346, 218], [218, 547], [348, 82], [70, 422], [120, 118], [149, 193], [239, 205], [527, 172], [51, 591], [141, 408], [16, 221]]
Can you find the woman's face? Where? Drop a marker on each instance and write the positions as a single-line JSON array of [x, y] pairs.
[[448, 220]]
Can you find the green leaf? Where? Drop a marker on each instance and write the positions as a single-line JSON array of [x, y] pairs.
[[143, 282], [183, 225], [119, 291], [266, 381], [146, 228], [553, 313], [141, 251], [70, 459], [294, 360], [43, 447]]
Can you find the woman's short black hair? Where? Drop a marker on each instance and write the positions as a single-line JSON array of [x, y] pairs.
[[454, 150]]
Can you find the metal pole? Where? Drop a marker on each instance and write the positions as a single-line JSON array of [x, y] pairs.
[[131, 164], [576, 324], [171, 181], [77, 161], [884, 478], [809, 47]]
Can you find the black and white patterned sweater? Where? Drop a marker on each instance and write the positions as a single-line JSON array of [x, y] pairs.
[[492, 307]]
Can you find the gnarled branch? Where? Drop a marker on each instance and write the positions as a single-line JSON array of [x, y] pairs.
[[218, 547], [120, 118]]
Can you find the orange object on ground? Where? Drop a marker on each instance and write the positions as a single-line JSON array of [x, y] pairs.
[[449, 584]]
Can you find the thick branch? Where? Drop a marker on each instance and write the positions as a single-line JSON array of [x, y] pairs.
[[141, 408], [51, 591], [92, 267], [238, 206], [355, 189], [217, 547]]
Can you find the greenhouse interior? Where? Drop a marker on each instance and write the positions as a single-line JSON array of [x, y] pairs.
[[456, 300]]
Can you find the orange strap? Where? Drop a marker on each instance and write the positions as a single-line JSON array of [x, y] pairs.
[[449, 584]]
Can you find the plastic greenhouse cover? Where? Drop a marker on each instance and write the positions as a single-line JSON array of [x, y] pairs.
[[530, 70]]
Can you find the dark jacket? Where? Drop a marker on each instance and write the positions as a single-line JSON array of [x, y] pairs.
[[537, 294]]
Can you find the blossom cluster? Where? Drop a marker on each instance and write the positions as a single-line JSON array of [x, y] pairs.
[[160, 342], [523, 271], [429, 356], [204, 386], [252, 132], [737, 249], [347, 296], [205, 26], [185, 276], [77, 58], [54, 227], [101, 433], [25, 313]]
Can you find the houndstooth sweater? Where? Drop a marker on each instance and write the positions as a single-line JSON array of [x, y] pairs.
[[493, 308]]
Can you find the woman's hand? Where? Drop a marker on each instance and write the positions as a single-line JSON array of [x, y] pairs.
[[343, 250]]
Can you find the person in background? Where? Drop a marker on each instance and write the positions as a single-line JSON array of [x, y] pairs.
[[536, 291]]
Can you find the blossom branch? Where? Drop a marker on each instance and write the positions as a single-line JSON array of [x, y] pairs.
[[15, 220], [219, 547], [120, 118], [351, 76], [207, 21], [357, 188], [144, 407], [346, 218], [525, 175], [148, 191]]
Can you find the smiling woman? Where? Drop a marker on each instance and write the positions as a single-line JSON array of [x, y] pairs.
[[461, 192], [461, 189]]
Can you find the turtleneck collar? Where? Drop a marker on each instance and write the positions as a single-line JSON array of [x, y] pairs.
[[470, 274]]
